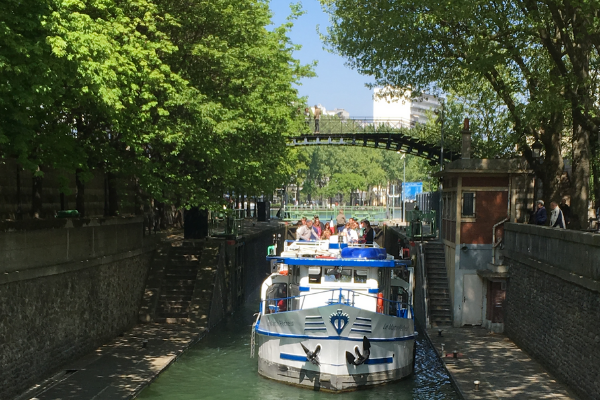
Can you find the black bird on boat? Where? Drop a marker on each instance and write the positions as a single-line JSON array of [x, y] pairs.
[[312, 356], [360, 358]]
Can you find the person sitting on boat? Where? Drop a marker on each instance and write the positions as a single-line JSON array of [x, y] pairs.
[[326, 235], [304, 232], [349, 233], [282, 303], [318, 226], [369, 234]]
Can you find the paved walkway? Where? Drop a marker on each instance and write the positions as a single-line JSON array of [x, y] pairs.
[[121, 368], [504, 370]]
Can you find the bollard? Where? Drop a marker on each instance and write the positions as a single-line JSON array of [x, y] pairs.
[[476, 383], [144, 343], [455, 354], [439, 332]]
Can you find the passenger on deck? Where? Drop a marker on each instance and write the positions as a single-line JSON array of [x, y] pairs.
[[304, 232], [282, 303], [318, 226], [369, 234], [326, 232], [349, 233], [341, 220]]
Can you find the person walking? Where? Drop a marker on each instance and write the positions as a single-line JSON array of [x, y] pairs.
[[557, 219], [307, 116], [317, 118], [540, 215], [566, 210]]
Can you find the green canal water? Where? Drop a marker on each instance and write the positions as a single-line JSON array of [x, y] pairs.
[[220, 367]]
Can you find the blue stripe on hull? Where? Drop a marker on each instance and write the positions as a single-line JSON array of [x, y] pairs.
[[289, 335], [370, 361]]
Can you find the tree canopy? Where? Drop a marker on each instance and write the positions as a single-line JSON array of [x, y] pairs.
[[535, 58], [190, 98]]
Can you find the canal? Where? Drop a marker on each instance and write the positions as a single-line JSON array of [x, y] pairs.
[[220, 367]]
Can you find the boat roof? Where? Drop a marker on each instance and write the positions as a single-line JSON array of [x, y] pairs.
[[340, 262]]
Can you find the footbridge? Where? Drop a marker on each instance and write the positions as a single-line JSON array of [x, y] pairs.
[[387, 134]]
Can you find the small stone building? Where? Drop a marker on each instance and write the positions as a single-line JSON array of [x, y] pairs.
[[479, 196]]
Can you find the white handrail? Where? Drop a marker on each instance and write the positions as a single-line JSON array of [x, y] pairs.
[[494, 244]]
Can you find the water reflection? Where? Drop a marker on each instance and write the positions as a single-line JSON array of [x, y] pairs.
[[220, 367]]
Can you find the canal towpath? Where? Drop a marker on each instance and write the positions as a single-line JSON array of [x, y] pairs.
[[503, 370]]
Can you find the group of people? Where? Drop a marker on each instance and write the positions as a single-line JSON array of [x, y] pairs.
[[351, 231], [560, 215], [317, 116]]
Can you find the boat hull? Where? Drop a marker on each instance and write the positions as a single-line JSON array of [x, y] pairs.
[[336, 329]]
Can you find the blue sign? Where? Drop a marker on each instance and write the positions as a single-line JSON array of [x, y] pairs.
[[410, 190]]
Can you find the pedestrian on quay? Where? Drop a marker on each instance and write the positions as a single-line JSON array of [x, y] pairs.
[[557, 219], [566, 211], [540, 215], [341, 220]]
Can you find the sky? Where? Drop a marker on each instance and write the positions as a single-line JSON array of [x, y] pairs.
[[336, 85]]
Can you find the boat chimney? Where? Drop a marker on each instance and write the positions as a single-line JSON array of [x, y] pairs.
[[466, 140]]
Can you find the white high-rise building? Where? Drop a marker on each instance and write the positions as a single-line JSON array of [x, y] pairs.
[[405, 110]]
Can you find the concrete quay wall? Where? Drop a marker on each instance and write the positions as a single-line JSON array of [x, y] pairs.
[[553, 301], [66, 287]]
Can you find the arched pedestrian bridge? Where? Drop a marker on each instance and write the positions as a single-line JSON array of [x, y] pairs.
[[387, 134]]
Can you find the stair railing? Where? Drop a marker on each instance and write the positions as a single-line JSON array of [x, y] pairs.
[[423, 276], [494, 244]]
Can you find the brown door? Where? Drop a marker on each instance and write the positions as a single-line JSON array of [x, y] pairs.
[[498, 294]]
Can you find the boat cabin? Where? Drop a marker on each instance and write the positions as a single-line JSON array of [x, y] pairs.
[[317, 273]]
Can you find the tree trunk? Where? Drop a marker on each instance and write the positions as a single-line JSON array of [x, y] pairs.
[[80, 193], [139, 198], [550, 172], [596, 171], [36, 195], [19, 213], [113, 195], [581, 175]]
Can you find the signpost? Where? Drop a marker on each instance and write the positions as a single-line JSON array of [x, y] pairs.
[[409, 193]]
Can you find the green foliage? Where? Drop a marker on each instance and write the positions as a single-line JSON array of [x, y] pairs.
[[332, 171], [191, 98]]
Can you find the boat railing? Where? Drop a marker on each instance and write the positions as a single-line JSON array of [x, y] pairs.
[[336, 296]]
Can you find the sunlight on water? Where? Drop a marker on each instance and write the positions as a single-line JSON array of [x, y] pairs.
[[220, 367]]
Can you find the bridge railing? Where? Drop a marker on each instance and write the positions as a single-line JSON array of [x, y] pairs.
[[370, 213], [361, 126]]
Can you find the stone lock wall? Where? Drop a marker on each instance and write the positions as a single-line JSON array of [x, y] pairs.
[[51, 314], [553, 302]]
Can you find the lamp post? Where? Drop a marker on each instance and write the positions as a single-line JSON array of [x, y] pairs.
[[536, 149]]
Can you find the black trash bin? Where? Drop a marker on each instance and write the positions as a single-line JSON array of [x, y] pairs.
[[263, 209]]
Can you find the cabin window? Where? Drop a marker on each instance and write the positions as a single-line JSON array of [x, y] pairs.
[[468, 206], [314, 275], [360, 276], [338, 274], [276, 298]]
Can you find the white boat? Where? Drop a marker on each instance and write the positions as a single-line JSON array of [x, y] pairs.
[[335, 317]]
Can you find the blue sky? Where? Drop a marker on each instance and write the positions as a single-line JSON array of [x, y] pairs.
[[336, 85]]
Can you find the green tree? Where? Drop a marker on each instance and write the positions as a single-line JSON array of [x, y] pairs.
[[524, 52]]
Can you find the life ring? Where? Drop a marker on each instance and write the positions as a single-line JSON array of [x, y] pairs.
[[380, 303]]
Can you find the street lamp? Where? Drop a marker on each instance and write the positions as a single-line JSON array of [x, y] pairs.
[[403, 157], [536, 149]]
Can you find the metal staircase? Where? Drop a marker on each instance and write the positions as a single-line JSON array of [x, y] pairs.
[[438, 293]]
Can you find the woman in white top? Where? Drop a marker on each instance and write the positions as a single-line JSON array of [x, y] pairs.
[[350, 234]]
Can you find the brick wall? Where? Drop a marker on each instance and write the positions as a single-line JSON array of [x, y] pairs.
[[46, 322], [558, 323], [553, 301]]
